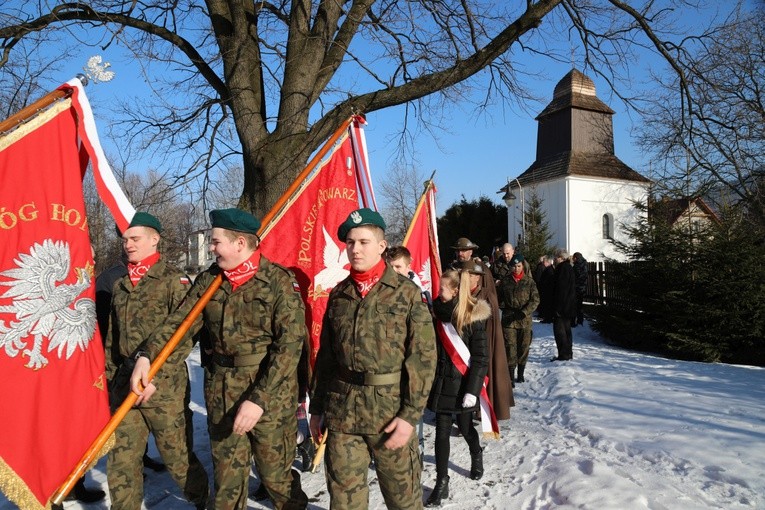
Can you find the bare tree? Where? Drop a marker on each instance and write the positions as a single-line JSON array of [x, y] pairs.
[[269, 82], [715, 143], [400, 192]]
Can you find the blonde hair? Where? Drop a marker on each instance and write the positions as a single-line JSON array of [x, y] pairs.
[[252, 240], [463, 312]]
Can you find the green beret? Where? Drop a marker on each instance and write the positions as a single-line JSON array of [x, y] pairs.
[[144, 219], [516, 259], [234, 219], [358, 218]]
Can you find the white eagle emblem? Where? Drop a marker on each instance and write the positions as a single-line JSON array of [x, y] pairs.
[[335, 260], [424, 275], [44, 309], [356, 217]]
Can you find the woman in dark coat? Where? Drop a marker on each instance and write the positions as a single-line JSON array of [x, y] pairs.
[[452, 393]]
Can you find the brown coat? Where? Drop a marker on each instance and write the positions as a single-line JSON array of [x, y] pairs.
[[500, 387]]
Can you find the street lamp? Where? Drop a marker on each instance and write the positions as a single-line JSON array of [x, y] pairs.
[[509, 199]]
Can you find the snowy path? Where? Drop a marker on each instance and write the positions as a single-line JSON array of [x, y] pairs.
[[609, 430]]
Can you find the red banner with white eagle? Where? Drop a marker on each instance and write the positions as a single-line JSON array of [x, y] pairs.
[[304, 236], [55, 400], [422, 242]]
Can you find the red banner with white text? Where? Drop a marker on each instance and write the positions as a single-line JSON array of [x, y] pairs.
[[54, 399], [304, 237]]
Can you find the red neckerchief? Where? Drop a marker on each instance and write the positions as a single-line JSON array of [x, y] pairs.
[[244, 271], [366, 280], [517, 277], [137, 270]]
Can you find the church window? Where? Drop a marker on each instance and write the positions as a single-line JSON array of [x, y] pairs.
[[608, 226]]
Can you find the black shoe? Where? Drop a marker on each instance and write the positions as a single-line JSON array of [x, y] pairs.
[[440, 491], [476, 465], [556, 358], [260, 494], [85, 495], [152, 464]]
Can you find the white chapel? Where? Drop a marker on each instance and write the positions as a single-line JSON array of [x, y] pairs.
[[586, 191]]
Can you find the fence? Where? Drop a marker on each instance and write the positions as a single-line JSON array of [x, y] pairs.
[[605, 284]]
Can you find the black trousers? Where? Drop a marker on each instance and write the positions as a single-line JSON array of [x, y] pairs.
[[443, 434], [563, 339]]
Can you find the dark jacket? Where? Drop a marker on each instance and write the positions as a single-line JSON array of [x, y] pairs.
[[449, 386], [546, 287], [564, 294], [580, 274]]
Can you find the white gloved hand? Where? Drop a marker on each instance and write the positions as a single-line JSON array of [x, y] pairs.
[[469, 400]]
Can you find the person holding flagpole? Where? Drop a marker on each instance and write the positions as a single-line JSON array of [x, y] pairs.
[[373, 373], [256, 323], [463, 362]]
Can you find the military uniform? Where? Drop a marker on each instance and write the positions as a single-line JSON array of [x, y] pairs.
[[136, 311], [257, 332], [518, 302], [376, 362]]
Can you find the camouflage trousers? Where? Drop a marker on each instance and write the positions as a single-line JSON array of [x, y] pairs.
[[271, 443], [517, 345], [173, 433], [347, 460]]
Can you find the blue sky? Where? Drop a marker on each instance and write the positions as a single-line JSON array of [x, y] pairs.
[[477, 152]]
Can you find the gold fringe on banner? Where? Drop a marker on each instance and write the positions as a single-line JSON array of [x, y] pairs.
[[35, 122]]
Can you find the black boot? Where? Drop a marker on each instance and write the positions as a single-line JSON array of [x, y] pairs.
[[81, 493], [152, 464], [512, 377], [521, 369], [440, 491], [476, 465]]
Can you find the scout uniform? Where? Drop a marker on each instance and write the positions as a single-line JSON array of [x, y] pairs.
[[136, 311], [376, 362], [257, 332]]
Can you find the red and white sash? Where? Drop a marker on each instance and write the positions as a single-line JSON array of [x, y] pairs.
[[460, 356]]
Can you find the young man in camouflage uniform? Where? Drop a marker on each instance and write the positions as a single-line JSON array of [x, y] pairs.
[[256, 323], [519, 298], [373, 374], [141, 301]]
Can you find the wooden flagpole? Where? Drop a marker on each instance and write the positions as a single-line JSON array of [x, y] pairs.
[[428, 184], [33, 109], [91, 455]]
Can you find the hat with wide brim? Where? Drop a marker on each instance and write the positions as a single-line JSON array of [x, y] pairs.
[[463, 243], [472, 267], [359, 218]]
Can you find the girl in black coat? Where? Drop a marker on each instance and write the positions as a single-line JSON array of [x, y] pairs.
[[454, 394]]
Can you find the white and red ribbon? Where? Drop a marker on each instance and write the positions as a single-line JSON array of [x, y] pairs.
[[460, 356]]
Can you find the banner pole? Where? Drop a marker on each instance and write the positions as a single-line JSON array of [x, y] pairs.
[[91, 454], [420, 203], [33, 109]]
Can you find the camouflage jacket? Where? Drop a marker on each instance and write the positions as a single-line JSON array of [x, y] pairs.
[[135, 312], [501, 270], [521, 296], [264, 317], [388, 331]]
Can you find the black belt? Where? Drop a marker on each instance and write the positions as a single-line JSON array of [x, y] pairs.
[[247, 360], [366, 379]]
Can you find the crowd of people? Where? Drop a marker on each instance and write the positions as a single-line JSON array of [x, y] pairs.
[[388, 350]]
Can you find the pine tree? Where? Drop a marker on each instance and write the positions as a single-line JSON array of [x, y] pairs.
[[537, 233]]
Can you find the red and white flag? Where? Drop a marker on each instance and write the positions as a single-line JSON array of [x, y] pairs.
[[304, 236], [422, 242], [54, 400]]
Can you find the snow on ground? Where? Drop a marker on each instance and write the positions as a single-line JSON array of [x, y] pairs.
[[611, 429]]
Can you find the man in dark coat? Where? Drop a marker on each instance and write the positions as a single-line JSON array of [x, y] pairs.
[[546, 287], [500, 388], [580, 274], [564, 305]]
